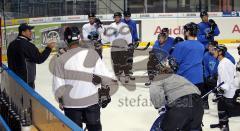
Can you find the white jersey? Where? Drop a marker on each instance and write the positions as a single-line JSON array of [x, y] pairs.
[[227, 74], [121, 31], [73, 73], [118, 34], [87, 28]]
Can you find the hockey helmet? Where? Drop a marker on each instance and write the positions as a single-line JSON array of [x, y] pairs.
[[213, 43], [162, 34], [203, 13], [192, 28], [127, 14], [221, 48], [71, 34], [165, 61], [165, 30], [177, 40], [117, 14]]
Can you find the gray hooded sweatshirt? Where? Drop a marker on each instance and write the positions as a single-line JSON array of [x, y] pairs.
[[172, 87]]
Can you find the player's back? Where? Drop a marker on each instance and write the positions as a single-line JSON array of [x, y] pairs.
[[189, 55]]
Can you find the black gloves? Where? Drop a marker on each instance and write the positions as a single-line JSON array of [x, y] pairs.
[[211, 81], [212, 23], [104, 96], [218, 91], [96, 80], [238, 49], [238, 66], [130, 47], [237, 97]]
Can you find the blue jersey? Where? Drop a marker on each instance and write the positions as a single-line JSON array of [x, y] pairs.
[[167, 45], [189, 56], [133, 28], [210, 64], [204, 29]]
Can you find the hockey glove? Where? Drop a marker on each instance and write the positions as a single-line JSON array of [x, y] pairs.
[[220, 91], [237, 97], [103, 96], [60, 100], [130, 46], [211, 81], [96, 80], [238, 66], [90, 37], [212, 23], [238, 49]]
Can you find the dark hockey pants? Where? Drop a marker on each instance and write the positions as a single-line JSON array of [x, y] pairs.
[[89, 115], [120, 63], [185, 114]]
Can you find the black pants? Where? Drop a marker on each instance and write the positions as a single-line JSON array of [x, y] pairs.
[[223, 114], [130, 59], [99, 51], [151, 67], [120, 63], [89, 115], [227, 108], [184, 114], [203, 89], [32, 84]]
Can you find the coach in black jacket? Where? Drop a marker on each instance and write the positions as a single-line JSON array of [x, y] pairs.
[[24, 55]]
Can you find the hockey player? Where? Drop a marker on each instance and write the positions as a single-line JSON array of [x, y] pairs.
[[78, 76], [166, 42], [227, 74], [133, 28], [166, 30], [23, 55], [94, 25], [132, 25], [208, 29], [120, 40], [238, 63], [179, 96], [210, 69], [163, 42], [94, 43], [189, 56], [92, 28]]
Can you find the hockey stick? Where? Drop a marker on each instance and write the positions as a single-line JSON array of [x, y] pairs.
[[136, 45], [212, 90], [142, 49], [145, 48]]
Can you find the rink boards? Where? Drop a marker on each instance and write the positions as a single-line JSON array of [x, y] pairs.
[[45, 116]]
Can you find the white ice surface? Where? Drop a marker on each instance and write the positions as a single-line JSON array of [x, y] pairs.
[[136, 117]]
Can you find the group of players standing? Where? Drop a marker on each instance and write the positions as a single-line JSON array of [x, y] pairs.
[[122, 34], [205, 64], [196, 64], [198, 59]]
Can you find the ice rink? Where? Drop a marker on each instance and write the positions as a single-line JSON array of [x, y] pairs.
[[129, 110]]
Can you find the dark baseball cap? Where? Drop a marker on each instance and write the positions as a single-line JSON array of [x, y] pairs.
[[24, 27]]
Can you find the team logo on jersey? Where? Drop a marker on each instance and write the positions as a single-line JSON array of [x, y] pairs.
[[212, 65], [207, 30]]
